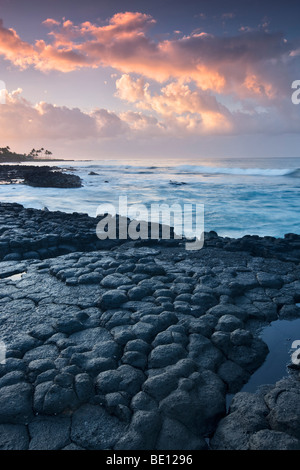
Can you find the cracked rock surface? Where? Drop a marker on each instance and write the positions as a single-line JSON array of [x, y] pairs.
[[136, 347]]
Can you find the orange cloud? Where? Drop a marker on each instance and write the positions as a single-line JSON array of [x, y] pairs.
[[192, 70], [256, 86], [12, 48], [51, 22], [19, 120], [131, 90], [63, 59], [195, 111], [221, 64], [22, 121]]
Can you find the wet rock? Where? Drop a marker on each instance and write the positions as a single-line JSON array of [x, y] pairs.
[[49, 433], [24, 343], [265, 311], [142, 433], [108, 381], [123, 334], [203, 301], [221, 339], [138, 293], [51, 179], [228, 323], [49, 352], [144, 331], [143, 402], [13, 437], [50, 398], [11, 378], [90, 337], [84, 387], [268, 280], [12, 364], [94, 429], [241, 337], [198, 409], [151, 269], [46, 376], [112, 299], [68, 326], [173, 334], [247, 416], [183, 368], [16, 403], [135, 359], [93, 365], [42, 332], [267, 439], [285, 414], [265, 420], [228, 309], [161, 385], [233, 375], [138, 345], [175, 436], [289, 312], [64, 380], [41, 365], [131, 379], [165, 355], [113, 281], [204, 353], [89, 278]]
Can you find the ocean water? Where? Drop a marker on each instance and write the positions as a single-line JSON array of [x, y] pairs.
[[240, 196]]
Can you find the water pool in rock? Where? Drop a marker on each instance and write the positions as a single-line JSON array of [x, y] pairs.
[[279, 336], [16, 277]]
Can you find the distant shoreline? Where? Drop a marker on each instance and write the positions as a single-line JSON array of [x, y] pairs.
[[40, 160], [33, 160]]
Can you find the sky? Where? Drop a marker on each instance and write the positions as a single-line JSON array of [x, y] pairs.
[[137, 79]]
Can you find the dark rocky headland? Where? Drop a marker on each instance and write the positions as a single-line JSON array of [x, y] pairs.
[[122, 344], [39, 176]]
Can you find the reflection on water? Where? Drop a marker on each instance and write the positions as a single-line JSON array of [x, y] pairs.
[[279, 336], [15, 277]]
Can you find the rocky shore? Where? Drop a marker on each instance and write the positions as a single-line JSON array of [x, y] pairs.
[[123, 344], [39, 176]]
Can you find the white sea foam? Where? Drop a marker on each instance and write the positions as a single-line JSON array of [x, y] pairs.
[[236, 171], [238, 199]]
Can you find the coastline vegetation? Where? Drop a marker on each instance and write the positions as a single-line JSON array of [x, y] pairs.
[[35, 155]]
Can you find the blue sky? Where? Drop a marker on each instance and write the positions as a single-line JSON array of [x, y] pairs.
[[148, 79]]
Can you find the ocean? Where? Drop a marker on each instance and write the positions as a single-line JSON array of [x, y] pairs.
[[240, 196]]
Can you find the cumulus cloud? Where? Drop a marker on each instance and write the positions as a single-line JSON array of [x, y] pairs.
[[182, 111], [186, 114], [196, 73], [108, 123], [14, 49], [131, 90], [222, 64], [180, 106], [21, 120]]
